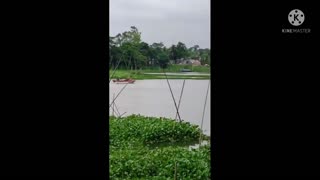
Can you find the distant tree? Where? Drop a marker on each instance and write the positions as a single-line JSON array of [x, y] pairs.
[[181, 50], [204, 56], [145, 51], [173, 53], [193, 52], [155, 51], [128, 48], [163, 59], [130, 44]]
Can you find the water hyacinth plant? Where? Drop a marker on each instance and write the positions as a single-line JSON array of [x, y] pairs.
[[156, 148]]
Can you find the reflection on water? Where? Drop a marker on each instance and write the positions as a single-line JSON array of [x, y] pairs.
[[153, 98], [196, 146]]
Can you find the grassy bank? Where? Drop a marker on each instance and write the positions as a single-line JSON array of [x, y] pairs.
[[140, 74], [155, 148], [177, 68]]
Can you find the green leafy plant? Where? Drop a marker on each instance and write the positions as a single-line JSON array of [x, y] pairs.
[[150, 148]]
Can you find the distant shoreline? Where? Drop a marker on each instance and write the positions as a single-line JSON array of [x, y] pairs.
[[122, 74], [173, 72]]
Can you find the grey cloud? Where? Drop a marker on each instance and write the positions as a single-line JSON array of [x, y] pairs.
[[167, 21]]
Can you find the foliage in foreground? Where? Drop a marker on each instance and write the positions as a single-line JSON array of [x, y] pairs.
[[137, 150]]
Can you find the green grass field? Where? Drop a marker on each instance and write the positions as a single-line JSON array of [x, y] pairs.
[[140, 74]]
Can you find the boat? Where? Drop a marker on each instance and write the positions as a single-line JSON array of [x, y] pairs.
[[124, 81], [185, 70]]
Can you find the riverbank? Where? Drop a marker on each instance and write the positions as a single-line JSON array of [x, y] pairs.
[[177, 68], [157, 73], [156, 148]]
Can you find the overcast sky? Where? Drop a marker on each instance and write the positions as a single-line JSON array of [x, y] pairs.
[[167, 21]]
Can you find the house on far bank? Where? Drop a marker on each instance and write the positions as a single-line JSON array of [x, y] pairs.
[[193, 62]]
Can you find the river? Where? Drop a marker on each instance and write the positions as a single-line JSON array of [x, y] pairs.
[[153, 98]]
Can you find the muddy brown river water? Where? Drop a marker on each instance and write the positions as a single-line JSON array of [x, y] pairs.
[[153, 98]]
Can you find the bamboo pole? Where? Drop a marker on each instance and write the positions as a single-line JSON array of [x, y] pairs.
[[113, 106], [204, 109], [118, 95], [116, 108], [180, 97], [174, 101]]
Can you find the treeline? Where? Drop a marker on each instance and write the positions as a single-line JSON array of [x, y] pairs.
[[127, 50]]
